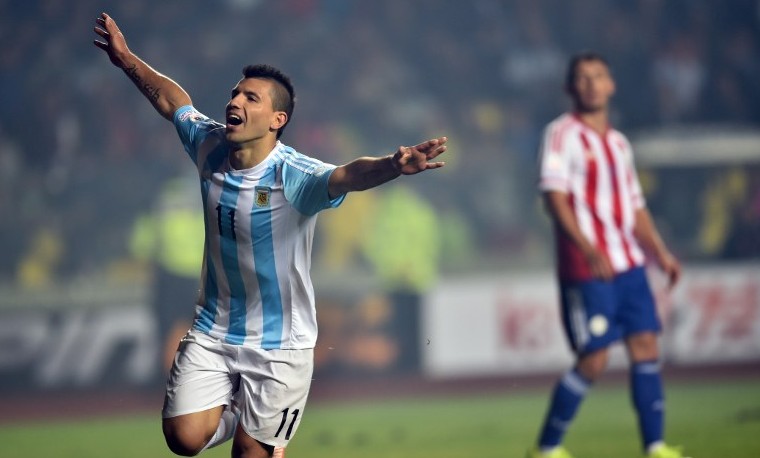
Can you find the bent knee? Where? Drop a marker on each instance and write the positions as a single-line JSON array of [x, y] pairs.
[[592, 365], [643, 346], [184, 440], [244, 446]]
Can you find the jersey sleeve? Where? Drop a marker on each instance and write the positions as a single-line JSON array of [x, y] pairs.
[[305, 181], [193, 127], [554, 160]]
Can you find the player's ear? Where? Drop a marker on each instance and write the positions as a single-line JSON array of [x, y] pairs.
[[279, 119]]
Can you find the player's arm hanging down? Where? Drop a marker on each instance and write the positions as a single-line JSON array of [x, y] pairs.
[[647, 234], [165, 95], [558, 205]]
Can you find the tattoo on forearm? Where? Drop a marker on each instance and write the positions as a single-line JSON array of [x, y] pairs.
[[150, 91]]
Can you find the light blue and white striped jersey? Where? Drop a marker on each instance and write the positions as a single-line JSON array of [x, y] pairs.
[[255, 284]]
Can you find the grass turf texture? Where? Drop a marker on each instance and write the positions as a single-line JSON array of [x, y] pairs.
[[711, 420]]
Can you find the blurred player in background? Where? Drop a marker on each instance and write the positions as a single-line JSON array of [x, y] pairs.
[[603, 228], [244, 370], [168, 240]]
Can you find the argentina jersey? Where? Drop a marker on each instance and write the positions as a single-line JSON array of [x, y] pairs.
[[255, 284]]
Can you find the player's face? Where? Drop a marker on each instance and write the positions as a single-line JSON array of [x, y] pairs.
[[250, 112], [593, 86]]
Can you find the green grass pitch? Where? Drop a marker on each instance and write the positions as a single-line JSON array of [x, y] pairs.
[[713, 420]]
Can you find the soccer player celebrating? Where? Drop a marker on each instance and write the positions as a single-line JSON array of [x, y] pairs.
[[602, 228], [244, 368]]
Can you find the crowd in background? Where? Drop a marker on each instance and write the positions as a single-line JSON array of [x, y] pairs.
[[82, 153]]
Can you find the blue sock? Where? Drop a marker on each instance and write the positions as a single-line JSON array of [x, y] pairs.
[[646, 390], [568, 394]]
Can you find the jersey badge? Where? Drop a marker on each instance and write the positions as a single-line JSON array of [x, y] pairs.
[[553, 161], [262, 196], [598, 325], [193, 115], [320, 170]]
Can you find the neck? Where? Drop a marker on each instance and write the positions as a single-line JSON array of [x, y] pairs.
[[598, 120], [250, 154]]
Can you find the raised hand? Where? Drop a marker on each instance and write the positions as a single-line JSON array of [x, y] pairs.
[[409, 160], [114, 44]]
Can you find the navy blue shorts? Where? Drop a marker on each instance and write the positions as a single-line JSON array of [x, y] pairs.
[[596, 313]]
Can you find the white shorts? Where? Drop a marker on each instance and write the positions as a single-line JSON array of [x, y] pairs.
[[267, 387]]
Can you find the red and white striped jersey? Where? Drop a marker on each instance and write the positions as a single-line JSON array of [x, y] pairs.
[[599, 177]]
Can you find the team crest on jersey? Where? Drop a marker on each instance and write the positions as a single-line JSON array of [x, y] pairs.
[[598, 325], [263, 194], [553, 161], [194, 115]]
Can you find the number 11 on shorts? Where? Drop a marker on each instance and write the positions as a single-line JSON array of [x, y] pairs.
[[284, 420]]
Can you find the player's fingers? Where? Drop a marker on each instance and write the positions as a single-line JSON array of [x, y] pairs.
[[675, 275], [101, 45], [436, 152], [101, 21], [428, 144], [604, 270], [434, 165], [609, 271], [438, 140], [101, 32], [598, 272], [110, 24]]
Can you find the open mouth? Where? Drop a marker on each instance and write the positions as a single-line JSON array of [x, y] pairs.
[[234, 120]]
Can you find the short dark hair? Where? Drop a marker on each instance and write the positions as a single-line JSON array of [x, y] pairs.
[[283, 96], [577, 59]]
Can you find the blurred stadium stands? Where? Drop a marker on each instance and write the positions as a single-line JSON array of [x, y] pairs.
[[82, 154]]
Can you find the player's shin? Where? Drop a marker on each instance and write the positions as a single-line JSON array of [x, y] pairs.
[[226, 429], [647, 394], [567, 396]]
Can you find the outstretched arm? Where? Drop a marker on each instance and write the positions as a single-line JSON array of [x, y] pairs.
[[165, 95], [369, 172]]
